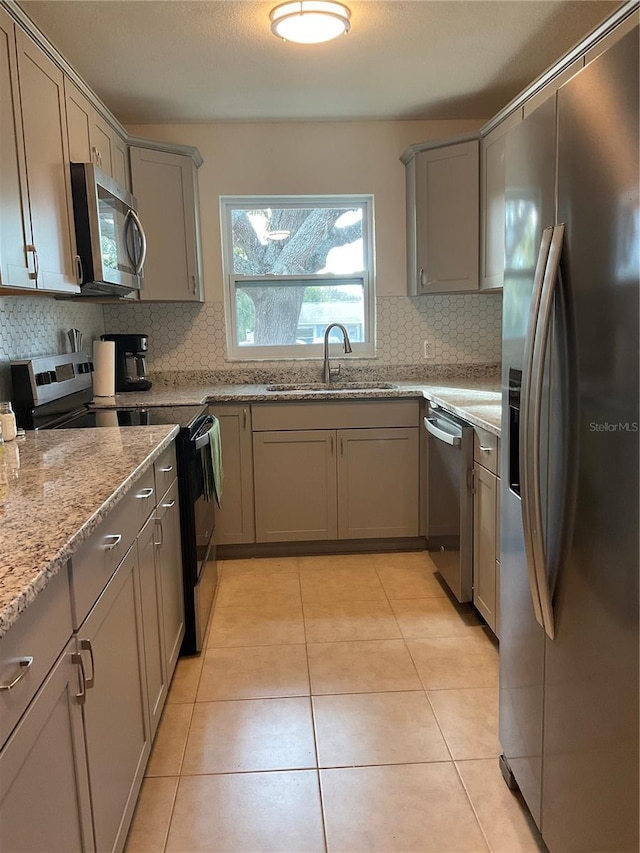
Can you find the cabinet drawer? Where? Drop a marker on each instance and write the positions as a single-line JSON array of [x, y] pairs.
[[97, 558], [40, 633], [325, 414], [165, 470], [486, 450]]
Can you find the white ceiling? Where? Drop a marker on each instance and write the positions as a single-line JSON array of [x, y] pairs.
[[176, 61]]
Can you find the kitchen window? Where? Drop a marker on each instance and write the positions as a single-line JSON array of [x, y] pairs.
[[292, 266]]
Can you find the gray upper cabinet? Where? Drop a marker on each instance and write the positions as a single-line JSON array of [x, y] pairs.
[[120, 161], [47, 168], [166, 187], [442, 217], [15, 222], [492, 202], [235, 519], [91, 138]]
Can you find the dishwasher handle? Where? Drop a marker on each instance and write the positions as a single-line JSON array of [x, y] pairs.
[[432, 425]]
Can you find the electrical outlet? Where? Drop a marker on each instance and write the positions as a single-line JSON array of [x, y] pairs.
[[427, 349]]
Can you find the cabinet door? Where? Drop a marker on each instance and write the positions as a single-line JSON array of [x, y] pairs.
[[101, 143], [79, 120], [171, 576], [484, 543], [15, 223], [446, 198], [115, 712], [235, 519], [165, 186], [295, 485], [47, 161], [120, 161], [151, 599], [377, 483], [44, 788], [492, 202]]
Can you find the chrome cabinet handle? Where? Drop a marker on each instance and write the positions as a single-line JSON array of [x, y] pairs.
[[160, 528], [117, 539], [24, 664], [194, 284], [144, 494], [94, 155], [167, 469], [341, 446], [36, 262], [169, 505], [332, 445], [244, 419], [421, 278], [79, 269], [485, 449], [85, 645], [76, 658]]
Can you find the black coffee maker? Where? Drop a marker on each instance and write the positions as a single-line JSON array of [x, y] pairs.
[[131, 367]]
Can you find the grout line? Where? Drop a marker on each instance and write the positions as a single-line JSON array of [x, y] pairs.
[[171, 812], [473, 808]]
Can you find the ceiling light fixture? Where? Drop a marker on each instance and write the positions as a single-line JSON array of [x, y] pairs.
[[310, 21]]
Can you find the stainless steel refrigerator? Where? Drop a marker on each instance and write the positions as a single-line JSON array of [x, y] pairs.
[[569, 492]]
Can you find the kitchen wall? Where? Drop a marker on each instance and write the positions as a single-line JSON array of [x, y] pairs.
[[37, 325], [290, 158]]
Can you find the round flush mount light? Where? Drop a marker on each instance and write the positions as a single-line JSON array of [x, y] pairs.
[[310, 21]]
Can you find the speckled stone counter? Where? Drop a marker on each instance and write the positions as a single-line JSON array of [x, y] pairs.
[[55, 488], [478, 400]]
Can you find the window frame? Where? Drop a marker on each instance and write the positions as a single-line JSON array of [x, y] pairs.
[[299, 352]]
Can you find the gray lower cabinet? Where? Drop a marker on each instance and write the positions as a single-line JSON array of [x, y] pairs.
[[336, 484], [235, 522], [44, 787], [484, 543], [151, 598], [169, 571], [116, 721], [295, 485]]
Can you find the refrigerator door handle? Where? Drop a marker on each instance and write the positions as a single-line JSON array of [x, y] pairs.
[[526, 470], [540, 346]]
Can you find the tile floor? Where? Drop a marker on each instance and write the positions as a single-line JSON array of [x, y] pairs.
[[343, 704]]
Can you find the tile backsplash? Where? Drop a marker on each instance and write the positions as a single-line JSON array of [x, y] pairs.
[[461, 328], [37, 325]]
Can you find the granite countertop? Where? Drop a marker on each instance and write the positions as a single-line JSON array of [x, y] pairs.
[[56, 486], [478, 400]]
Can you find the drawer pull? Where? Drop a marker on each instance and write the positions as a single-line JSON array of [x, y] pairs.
[[485, 449], [167, 469], [116, 540], [24, 664], [86, 646], [144, 494]]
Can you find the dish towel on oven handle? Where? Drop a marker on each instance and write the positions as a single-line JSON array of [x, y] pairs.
[[212, 470]]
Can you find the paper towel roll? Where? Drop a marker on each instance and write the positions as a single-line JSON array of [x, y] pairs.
[[104, 368]]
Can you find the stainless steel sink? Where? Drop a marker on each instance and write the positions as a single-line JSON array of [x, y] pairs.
[[333, 386]]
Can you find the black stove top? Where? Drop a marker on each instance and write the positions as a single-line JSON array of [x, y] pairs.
[[184, 416]]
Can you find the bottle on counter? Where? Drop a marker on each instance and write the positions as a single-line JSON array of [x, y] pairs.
[[8, 428]]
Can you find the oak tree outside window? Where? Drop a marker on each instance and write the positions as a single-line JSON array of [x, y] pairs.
[[292, 266]]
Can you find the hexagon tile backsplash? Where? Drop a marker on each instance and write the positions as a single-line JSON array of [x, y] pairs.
[[36, 325], [462, 328]]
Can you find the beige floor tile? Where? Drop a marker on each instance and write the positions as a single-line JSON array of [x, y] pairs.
[[246, 813], [505, 819], [335, 561], [257, 625], [361, 667], [184, 684], [335, 621], [259, 566], [151, 819], [253, 588], [469, 721], [434, 617], [410, 581], [450, 662], [404, 560], [377, 728], [420, 808], [171, 738], [254, 672], [344, 584], [253, 735]]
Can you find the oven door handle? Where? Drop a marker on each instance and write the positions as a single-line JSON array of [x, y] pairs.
[[202, 441]]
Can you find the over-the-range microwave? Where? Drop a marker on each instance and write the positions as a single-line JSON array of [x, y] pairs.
[[110, 239]]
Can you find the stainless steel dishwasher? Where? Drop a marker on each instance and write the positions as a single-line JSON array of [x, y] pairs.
[[450, 500]]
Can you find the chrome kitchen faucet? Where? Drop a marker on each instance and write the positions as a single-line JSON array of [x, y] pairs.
[[327, 370]]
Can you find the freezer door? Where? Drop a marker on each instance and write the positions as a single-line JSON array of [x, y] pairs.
[[529, 208], [590, 758]]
